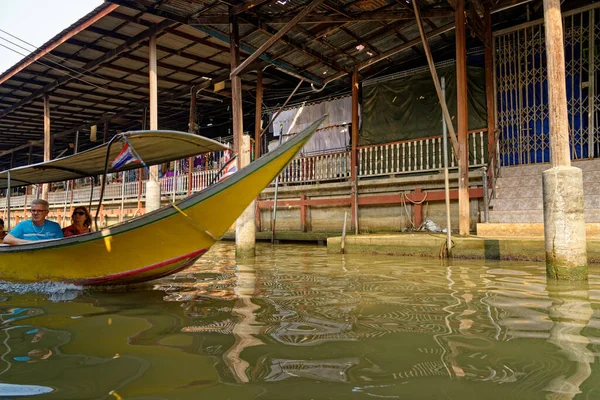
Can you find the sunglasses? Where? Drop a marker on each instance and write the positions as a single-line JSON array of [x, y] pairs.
[[78, 213], [37, 211]]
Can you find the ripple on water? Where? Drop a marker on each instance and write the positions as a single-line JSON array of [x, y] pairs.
[[55, 291]]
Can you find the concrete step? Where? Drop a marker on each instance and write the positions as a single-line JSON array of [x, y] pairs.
[[590, 189], [518, 181], [530, 216], [517, 192], [592, 230], [519, 216], [590, 202], [517, 204], [537, 169]]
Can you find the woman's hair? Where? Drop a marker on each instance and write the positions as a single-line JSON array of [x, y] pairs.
[[88, 219]]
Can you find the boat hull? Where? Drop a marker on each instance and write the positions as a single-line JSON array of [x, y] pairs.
[[153, 245]]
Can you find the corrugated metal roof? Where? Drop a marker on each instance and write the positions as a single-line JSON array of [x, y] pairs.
[[97, 69]]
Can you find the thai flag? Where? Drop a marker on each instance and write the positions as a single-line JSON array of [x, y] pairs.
[[229, 170], [125, 157]]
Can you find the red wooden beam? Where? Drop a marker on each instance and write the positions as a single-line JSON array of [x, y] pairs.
[[415, 197]]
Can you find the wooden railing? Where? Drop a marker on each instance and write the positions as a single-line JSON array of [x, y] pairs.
[[421, 155]]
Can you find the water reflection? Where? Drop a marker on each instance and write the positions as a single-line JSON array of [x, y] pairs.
[[570, 312], [299, 323]]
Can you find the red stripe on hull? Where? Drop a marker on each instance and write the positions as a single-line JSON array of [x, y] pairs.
[[129, 276]]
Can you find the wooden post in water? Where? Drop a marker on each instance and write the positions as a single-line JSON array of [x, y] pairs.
[[153, 185], [245, 227], [446, 180], [354, 151], [463, 119], [564, 225]]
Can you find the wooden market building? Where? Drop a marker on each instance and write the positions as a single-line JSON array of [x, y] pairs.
[[226, 67]]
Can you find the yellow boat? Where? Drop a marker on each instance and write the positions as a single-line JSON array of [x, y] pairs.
[[151, 246]]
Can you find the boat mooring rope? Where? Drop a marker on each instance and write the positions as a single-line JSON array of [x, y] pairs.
[[194, 222]]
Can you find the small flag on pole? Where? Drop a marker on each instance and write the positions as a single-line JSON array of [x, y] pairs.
[[229, 170], [125, 157]]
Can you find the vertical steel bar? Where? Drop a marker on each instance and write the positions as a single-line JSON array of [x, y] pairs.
[[591, 84]]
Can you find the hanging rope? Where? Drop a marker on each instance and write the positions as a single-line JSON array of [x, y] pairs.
[[403, 199]]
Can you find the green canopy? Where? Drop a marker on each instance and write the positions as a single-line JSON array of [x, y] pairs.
[[153, 147]]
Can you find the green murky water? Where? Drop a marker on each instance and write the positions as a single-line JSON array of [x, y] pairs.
[[298, 323]]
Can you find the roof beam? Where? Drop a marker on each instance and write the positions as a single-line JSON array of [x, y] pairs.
[[296, 45], [368, 16], [102, 59], [105, 10], [247, 5], [406, 45], [283, 67], [273, 39]]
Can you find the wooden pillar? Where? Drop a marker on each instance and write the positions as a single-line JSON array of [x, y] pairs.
[[153, 186], [302, 213], [258, 114], [354, 137], [354, 150], [557, 94], [489, 90], [418, 209], [236, 87], [47, 140], [463, 119], [192, 128], [245, 227], [105, 137]]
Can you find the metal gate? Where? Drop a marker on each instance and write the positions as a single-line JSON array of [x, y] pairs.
[[522, 88]]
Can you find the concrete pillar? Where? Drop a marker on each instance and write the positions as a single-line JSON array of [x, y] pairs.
[[564, 226], [245, 227], [153, 186]]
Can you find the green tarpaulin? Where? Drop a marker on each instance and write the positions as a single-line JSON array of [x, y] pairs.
[[408, 108]]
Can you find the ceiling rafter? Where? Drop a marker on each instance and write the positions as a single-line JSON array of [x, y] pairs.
[[99, 61]]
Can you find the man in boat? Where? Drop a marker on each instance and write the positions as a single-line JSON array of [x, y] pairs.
[[36, 228]]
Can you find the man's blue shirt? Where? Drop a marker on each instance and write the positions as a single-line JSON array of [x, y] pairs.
[[26, 230]]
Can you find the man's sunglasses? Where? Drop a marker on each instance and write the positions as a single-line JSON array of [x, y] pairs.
[[78, 213]]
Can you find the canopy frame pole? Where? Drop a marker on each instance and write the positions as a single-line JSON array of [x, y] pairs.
[[122, 196]]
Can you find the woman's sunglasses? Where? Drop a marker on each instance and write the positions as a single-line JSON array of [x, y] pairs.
[[78, 213]]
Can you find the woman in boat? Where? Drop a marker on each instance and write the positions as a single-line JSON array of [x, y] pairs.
[[2, 231], [81, 222]]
